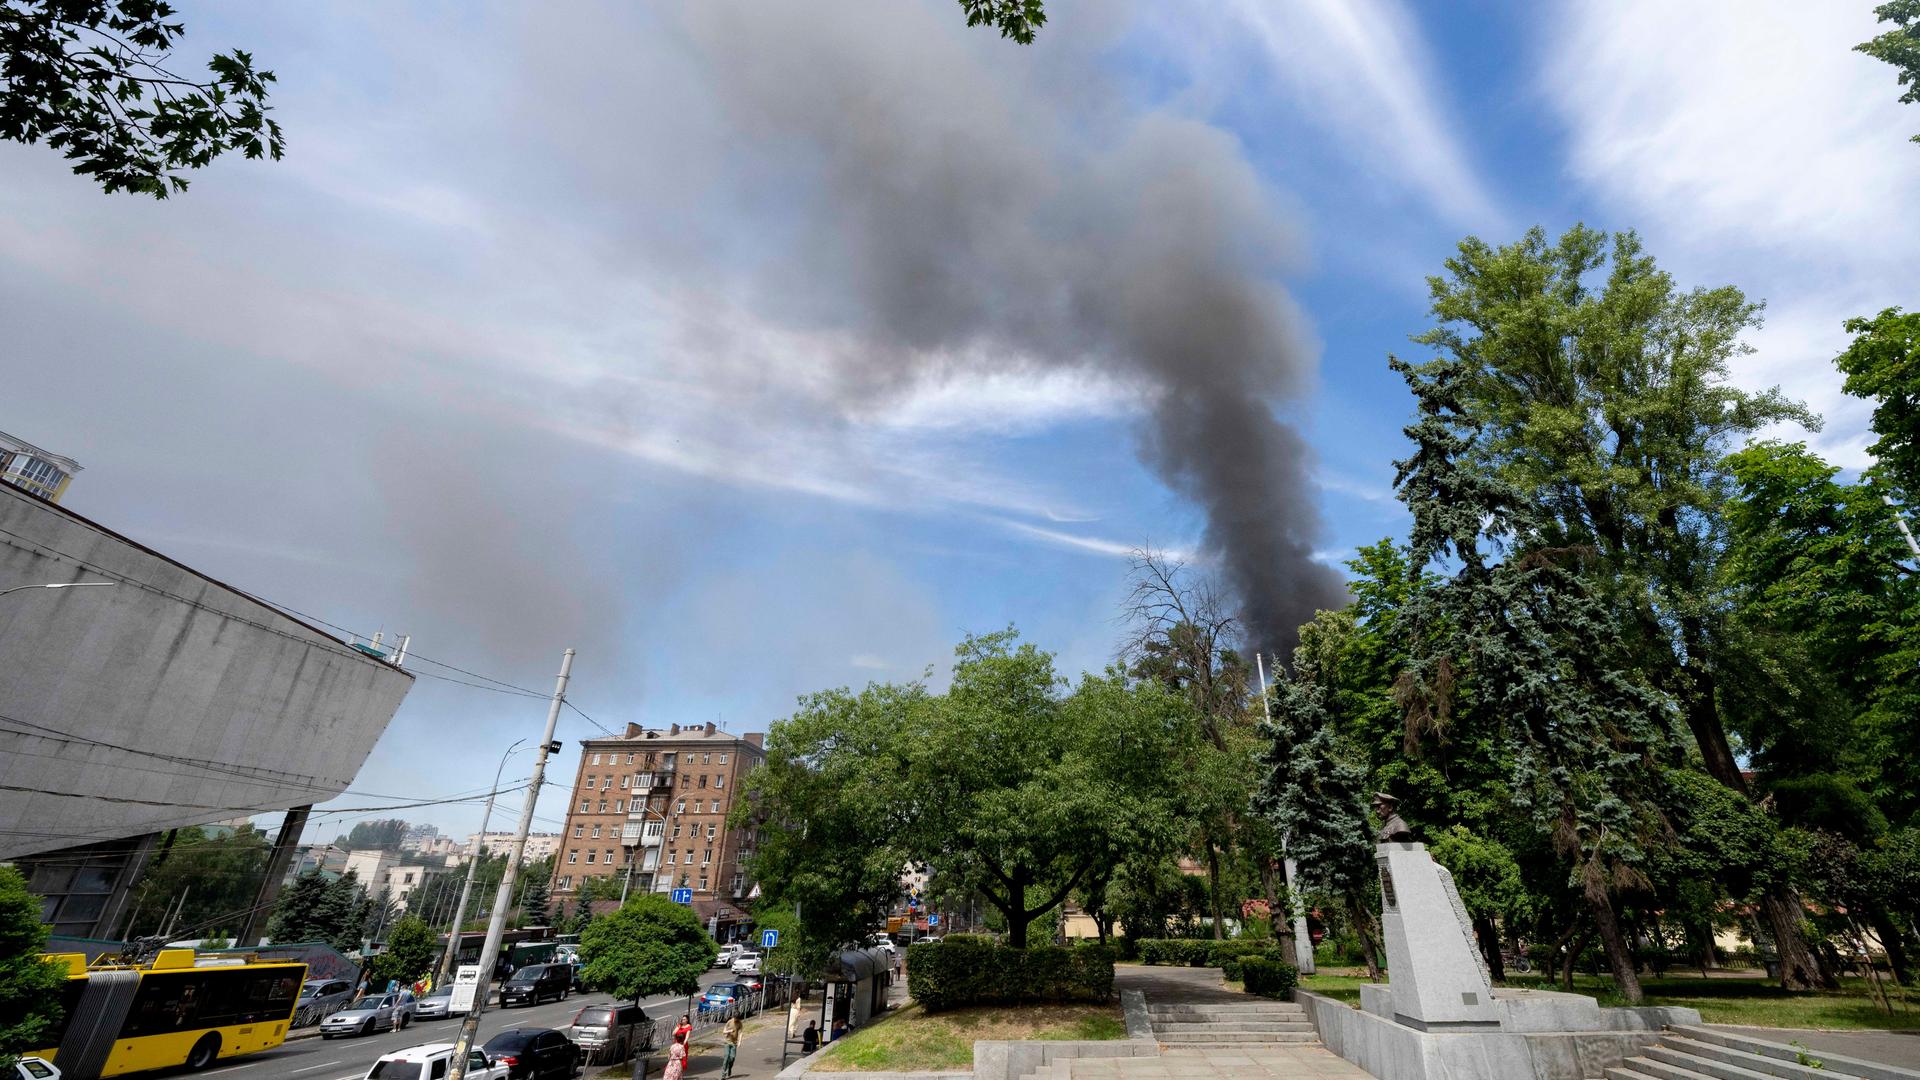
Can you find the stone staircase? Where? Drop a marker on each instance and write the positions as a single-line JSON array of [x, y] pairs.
[[1700, 1053], [1235, 1024]]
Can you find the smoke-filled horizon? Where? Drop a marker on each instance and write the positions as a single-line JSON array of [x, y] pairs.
[[933, 201]]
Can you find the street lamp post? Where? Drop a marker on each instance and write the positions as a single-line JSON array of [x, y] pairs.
[[473, 863]]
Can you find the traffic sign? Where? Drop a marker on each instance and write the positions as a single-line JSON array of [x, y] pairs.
[[769, 938], [933, 920], [682, 896]]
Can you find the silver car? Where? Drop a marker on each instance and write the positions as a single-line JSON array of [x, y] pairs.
[[436, 1005], [375, 1012]]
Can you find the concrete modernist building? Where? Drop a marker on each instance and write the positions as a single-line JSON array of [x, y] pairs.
[[26, 466], [165, 700], [654, 804], [539, 845]]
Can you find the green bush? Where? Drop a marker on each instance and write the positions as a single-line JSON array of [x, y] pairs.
[[955, 972], [1269, 978], [1175, 952]]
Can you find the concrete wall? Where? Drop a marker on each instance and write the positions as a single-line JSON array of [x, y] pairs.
[[167, 700], [1393, 1051]]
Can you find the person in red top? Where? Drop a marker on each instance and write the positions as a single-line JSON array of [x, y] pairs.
[[685, 1030]]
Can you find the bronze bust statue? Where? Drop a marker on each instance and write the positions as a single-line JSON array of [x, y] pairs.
[[1392, 829]]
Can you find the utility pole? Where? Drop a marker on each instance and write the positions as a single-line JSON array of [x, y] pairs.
[[1296, 911], [1901, 520], [473, 863], [490, 952]]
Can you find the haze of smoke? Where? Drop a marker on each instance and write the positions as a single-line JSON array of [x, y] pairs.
[[961, 198]]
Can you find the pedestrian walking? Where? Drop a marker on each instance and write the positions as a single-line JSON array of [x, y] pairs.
[[732, 1034], [676, 1059]]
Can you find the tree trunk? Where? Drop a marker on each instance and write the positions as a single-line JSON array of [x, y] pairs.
[[1799, 970], [1619, 950], [1361, 919], [1016, 912], [1489, 938], [1280, 921], [1213, 888], [1891, 940], [1572, 955]]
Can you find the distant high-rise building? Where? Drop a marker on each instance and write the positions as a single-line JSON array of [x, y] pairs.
[[25, 465]]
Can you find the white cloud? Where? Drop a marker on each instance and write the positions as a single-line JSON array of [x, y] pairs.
[[1751, 145], [1362, 68]]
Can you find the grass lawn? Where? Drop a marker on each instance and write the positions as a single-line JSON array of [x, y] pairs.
[[911, 1038], [1751, 1002]]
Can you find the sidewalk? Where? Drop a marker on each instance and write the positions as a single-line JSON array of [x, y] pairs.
[[761, 1040]]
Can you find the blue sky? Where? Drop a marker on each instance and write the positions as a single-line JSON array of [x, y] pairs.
[[526, 346]]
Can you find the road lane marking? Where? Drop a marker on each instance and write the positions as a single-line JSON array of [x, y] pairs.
[[307, 1068]]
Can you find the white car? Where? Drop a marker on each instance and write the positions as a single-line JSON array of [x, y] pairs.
[[746, 963], [33, 1068], [725, 958], [432, 1061]]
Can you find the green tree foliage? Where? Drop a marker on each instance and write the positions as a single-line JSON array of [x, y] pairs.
[[536, 902], [1883, 365], [210, 880], [650, 946], [93, 79], [383, 835], [1899, 46], [313, 908], [1016, 19], [412, 948], [29, 985]]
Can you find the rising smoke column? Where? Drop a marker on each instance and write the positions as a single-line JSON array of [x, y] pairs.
[[934, 198]]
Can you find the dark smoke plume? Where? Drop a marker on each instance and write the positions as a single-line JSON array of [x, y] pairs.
[[962, 198]]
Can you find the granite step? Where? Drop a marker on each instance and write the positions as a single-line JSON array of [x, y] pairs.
[[1769, 1056], [1233, 1038], [1302, 1024]]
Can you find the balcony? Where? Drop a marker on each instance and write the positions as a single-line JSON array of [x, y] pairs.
[[633, 834]]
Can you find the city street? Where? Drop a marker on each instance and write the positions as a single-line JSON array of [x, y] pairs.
[[349, 1059]]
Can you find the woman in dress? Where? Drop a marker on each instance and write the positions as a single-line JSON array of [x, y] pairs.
[[676, 1059], [684, 1030]]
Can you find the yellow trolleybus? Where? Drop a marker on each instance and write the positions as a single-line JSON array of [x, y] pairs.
[[176, 1010]]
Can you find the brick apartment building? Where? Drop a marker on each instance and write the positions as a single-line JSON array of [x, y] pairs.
[[654, 804]]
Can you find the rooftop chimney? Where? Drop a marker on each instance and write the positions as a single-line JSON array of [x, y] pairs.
[[674, 730], [634, 730], [756, 738], [709, 727]]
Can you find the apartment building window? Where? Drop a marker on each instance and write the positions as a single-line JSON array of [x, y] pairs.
[[716, 806], [566, 882], [596, 759], [710, 831], [666, 760], [703, 779], [625, 781], [706, 759], [596, 832], [653, 829], [723, 759], [578, 830], [670, 857], [629, 759], [603, 806], [707, 858], [676, 830], [592, 855], [703, 883], [680, 807], [739, 884], [619, 806], [573, 855], [720, 781]]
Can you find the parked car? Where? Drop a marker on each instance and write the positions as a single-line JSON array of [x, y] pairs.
[[607, 1034], [33, 1068], [375, 1012], [320, 998], [930, 939], [725, 957], [437, 1004], [534, 1054], [536, 983], [745, 963], [432, 1061]]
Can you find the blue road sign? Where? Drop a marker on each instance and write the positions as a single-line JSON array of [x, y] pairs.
[[682, 896], [769, 938], [933, 920]]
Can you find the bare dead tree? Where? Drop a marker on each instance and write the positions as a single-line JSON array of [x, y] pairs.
[[1181, 630]]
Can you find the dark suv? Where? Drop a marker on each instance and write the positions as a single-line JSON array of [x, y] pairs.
[[536, 983], [533, 1054]]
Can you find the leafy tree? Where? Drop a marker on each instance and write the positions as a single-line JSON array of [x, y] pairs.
[[1899, 46], [216, 877], [29, 984], [1027, 792], [1490, 884], [1591, 393], [650, 946], [1882, 364], [383, 835], [412, 948], [1016, 19], [313, 908], [93, 79]]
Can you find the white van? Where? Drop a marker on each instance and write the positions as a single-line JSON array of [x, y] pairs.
[[432, 1061]]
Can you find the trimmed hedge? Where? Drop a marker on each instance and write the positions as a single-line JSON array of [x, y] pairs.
[[1205, 952], [959, 971], [1269, 978]]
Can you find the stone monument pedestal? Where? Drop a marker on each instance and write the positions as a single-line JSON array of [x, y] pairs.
[[1439, 980]]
